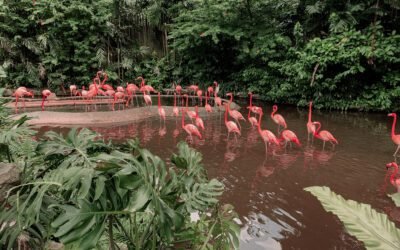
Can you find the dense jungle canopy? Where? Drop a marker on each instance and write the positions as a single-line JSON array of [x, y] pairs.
[[341, 54]]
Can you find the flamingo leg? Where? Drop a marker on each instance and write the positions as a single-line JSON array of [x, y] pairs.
[[323, 146], [235, 137], [395, 153]]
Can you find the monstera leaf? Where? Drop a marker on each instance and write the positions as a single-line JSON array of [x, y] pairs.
[[360, 220]]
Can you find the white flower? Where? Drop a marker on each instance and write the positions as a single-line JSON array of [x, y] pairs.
[[194, 216]]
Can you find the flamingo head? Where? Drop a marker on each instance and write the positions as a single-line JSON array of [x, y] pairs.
[[391, 164], [274, 108], [229, 94], [392, 114], [215, 83]]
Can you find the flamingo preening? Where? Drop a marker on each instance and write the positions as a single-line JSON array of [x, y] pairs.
[[267, 136], [324, 135], [45, 94], [190, 129], [394, 179], [175, 110], [277, 118], [230, 125], [161, 111], [198, 121], [310, 125], [395, 138], [236, 115]]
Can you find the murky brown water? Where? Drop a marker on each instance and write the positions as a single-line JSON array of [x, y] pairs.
[[267, 190]]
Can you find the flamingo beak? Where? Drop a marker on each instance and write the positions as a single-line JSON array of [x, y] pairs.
[[388, 165]]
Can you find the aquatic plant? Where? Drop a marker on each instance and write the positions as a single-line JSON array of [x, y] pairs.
[[374, 229]]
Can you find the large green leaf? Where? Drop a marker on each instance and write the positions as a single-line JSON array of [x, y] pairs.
[[374, 229]]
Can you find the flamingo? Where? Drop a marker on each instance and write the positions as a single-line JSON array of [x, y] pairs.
[[324, 135], [161, 110], [395, 138], [131, 88], [190, 128], [72, 89], [84, 92], [394, 180], [210, 90], [200, 95], [178, 89], [93, 85], [147, 99], [236, 115], [252, 120], [175, 110], [217, 100], [191, 114], [310, 125], [193, 88], [20, 93], [118, 96], [208, 106], [230, 125], [144, 87], [45, 94], [289, 136], [254, 109], [105, 86], [92, 91], [277, 118], [267, 136], [198, 121]]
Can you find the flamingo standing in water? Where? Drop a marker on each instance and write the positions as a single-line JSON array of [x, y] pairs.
[[277, 118], [147, 99], [395, 138], [45, 94], [175, 110], [20, 93], [267, 136], [236, 115], [310, 125], [161, 111], [190, 129], [252, 120], [289, 136], [394, 179], [191, 114], [230, 125], [252, 108], [118, 96], [131, 88], [208, 106], [324, 135], [198, 121]]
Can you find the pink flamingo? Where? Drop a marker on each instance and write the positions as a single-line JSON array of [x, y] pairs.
[[210, 90], [191, 114], [105, 86], [131, 88], [394, 180], [20, 93], [72, 89], [395, 138], [161, 110], [94, 85], [92, 91], [190, 128], [277, 118], [267, 136], [289, 136], [118, 96], [147, 99], [144, 87], [178, 89], [175, 110], [45, 94], [236, 115], [200, 95], [230, 125], [208, 106], [254, 109], [252, 120], [324, 135], [193, 88], [198, 121], [310, 125]]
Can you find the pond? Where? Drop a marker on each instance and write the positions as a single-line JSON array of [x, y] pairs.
[[267, 190]]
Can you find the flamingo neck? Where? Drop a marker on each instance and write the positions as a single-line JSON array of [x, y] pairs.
[[226, 114], [231, 100], [43, 99], [273, 113], [259, 123], [207, 93], [174, 100], [310, 112], [316, 132], [251, 100], [394, 124], [159, 101]]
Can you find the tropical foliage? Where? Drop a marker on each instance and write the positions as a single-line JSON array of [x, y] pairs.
[[86, 193], [374, 229], [340, 54]]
